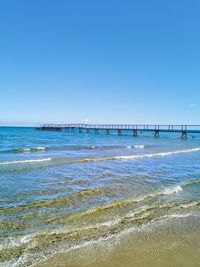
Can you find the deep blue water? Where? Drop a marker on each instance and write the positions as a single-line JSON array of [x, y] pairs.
[[61, 182]]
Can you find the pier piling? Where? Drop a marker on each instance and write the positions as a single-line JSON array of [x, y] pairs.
[[135, 133]]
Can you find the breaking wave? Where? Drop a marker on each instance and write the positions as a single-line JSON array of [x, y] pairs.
[[70, 148], [172, 190], [25, 150], [150, 155], [24, 161]]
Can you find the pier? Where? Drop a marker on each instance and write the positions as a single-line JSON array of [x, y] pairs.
[[134, 129]]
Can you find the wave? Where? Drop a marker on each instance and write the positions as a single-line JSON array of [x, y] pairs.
[[136, 146], [24, 150], [12, 242], [71, 148], [195, 181], [34, 149], [172, 190], [177, 215], [83, 160], [178, 188], [24, 161], [150, 155], [91, 193], [94, 147]]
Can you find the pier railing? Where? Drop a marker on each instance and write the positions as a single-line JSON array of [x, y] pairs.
[[136, 128]]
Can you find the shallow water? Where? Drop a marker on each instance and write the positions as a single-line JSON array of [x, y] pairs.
[[63, 191]]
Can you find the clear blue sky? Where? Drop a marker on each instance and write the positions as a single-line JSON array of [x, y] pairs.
[[134, 61]]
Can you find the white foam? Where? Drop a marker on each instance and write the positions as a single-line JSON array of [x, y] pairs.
[[16, 242], [139, 146], [40, 148], [26, 149], [160, 154], [178, 215], [34, 148], [172, 190], [189, 205], [24, 161], [150, 155], [108, 223]]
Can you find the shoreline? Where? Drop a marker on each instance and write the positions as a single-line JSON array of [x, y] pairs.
[[158, 243]]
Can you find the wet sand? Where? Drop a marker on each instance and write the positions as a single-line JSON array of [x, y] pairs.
[[173, 242]]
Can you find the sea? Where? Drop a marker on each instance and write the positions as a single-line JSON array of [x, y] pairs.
[[79, 199]]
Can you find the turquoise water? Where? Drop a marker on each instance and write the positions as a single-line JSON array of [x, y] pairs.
[[61, 189]]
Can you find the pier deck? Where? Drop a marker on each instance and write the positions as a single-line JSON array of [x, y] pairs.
[[135, 128]]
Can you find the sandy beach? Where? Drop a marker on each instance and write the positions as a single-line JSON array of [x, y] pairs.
[[173, 242]]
